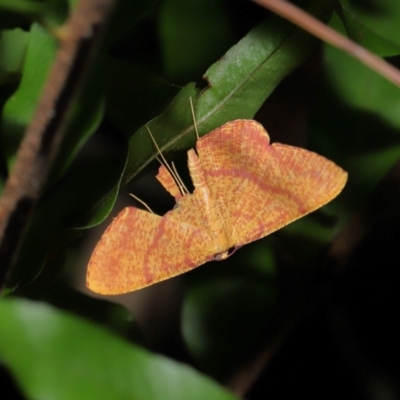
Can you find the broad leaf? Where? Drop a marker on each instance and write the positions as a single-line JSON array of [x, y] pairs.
[[238, 84], [53, 354]]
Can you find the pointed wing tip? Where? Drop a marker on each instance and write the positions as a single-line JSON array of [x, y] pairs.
[[343, 180], [340, 180]]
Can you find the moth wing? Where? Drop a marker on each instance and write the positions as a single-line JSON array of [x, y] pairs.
[[140, 248], [260, 187]]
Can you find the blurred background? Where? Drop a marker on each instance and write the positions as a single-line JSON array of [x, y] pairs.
[[309, 310]]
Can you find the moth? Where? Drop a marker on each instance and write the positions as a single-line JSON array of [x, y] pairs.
[[244, 189]]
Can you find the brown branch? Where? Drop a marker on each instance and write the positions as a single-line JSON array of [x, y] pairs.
[[42, 137], [317, 28]]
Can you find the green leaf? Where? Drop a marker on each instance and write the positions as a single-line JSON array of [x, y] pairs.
[[101, 311], [359, 86], [365, 32], [238, 85], [53, 354], [377, 30], [87, 111], [20, 107], [13, 45]]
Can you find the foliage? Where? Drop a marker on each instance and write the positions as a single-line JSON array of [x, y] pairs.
[[283, 294]]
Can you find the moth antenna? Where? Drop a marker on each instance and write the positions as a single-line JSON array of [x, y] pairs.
[[163, 161], [159, 160], [194, 118], [141, 202], [180, 179]]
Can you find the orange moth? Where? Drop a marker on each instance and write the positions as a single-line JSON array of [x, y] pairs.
[[244, 189]]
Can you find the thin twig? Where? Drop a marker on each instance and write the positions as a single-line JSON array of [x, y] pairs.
[[317, 28], [43, 136]]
